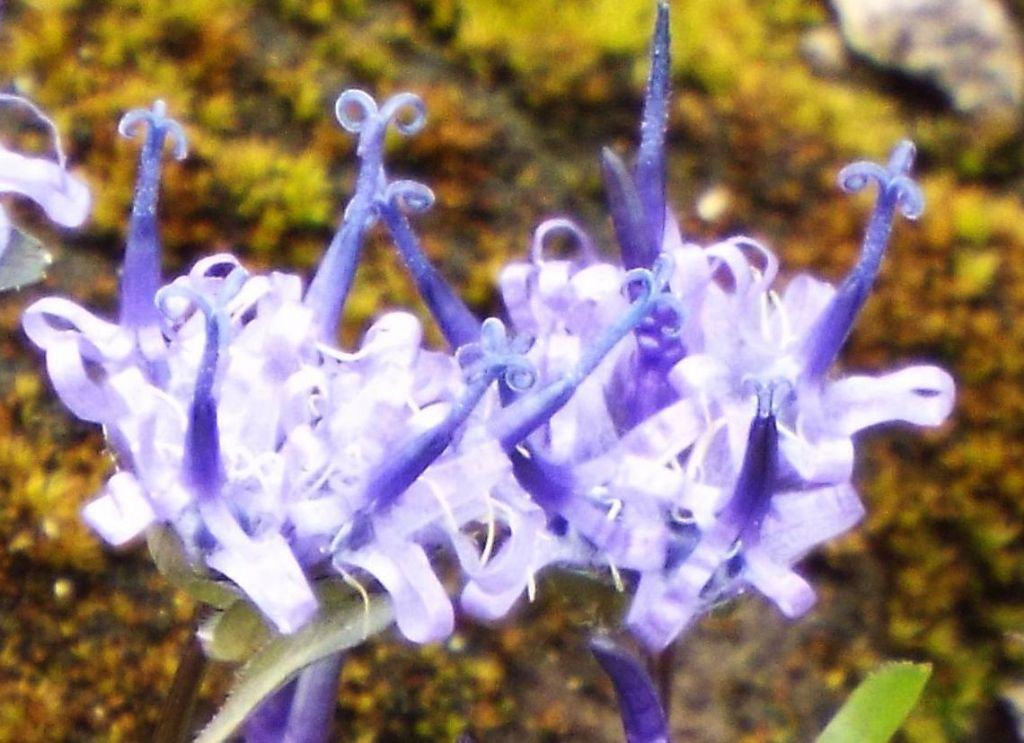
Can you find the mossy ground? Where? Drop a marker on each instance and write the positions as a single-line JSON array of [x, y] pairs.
[[521, 96]]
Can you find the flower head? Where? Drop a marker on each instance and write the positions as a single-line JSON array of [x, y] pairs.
[[713, 443], [276, 457]]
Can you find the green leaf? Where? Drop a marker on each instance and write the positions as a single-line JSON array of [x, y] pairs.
[[235, 634], [878, 707], [340, 625], [170, 559]]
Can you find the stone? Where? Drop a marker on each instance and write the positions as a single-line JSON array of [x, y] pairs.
[[969, 49]]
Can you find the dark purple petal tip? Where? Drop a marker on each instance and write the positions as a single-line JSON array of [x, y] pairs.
[[643, 719]]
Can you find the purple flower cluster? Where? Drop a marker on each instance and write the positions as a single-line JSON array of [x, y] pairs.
[[671, 420]]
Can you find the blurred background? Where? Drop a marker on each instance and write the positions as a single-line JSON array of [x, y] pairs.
[[771, 100]]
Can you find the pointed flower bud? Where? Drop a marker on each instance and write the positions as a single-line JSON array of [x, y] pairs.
[[650, 161]]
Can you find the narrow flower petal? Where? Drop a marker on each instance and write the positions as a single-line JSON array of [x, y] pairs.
[[423, 612], [457, 323], [266, 570], [801, 520], [122, 513], [65, 199], [922, 395], [755, 482], [790, 592], [636, 241]]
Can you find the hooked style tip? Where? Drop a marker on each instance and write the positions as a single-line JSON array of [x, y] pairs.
[[358, 113], [160, 125], [896, 191]]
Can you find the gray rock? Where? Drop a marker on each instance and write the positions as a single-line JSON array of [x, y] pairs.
[[968, 48], [822, 48]]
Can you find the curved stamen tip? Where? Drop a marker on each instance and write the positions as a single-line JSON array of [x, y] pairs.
[[909, 197], [160, 123], [894, 180], [410, 197], [355, 108]]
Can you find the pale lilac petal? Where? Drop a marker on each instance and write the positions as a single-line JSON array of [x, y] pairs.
[[495, 586], [665, 433], [54, 318], [5, 231], [638, 478], [636, 538], [514, 283], [922, 395], [800, 520], [440, 495], [597, 300], [85, 389], [552, 284], [746, 277], [64, 198], [494, 589], [423, 611], [703, 376], [827, 459], [804, 299], [791, 593], [489, 605], [122, 512], [658, 614], [84, 354], [266, 570]]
